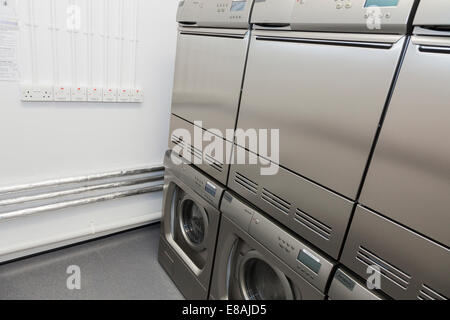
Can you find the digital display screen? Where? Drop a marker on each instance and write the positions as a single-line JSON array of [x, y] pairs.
[[211, 189], [381, 3], [238, 5], [310, 261]]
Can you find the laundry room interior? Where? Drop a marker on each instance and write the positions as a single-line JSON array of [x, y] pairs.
[[240, 150]]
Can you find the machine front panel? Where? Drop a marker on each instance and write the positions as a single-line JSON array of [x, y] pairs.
[[215, 13], [346, 287], [366, 16], [325, 99], [314, 213], [208, 76], [433, 13], [213, 165], [411, 266], [310, 264], [409, 178]]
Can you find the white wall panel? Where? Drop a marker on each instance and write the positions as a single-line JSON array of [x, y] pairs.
[[41, 141]]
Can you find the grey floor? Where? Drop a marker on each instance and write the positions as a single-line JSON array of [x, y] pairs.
[[123, 266]]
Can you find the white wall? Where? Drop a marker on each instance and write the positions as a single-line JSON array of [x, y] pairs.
[[41, 141]]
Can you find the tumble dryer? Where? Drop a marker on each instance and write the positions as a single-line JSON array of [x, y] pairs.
[[403, 222], [322, 74], [189, 227], [213, 41], [256, 259]]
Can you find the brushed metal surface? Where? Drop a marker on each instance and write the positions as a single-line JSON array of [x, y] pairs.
[[208, 78], [323, 215], [214, 13], [327, 102], [434, 13], [212, 164], [177, 258], [272, 12], [346, 287], [328, 16], [234, 242], [412, 266], [409, 178]]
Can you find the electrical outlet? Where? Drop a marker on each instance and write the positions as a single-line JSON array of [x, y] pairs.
[[78, 94], [109, 95], [137, 96], [61, 94], [31, 93], [46, 94], [123, 95], [95, 94]]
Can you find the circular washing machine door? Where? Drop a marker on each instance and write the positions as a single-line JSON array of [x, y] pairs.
[[259, 280], [193, 222]]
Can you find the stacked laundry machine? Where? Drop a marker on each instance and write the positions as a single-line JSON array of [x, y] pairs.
[[359, 205]]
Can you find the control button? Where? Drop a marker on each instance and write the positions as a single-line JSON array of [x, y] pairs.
[[348, 5], [339, 6], [388, 15], [257, 221]]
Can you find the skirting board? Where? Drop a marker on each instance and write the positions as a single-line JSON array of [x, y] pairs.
[[28, 249]]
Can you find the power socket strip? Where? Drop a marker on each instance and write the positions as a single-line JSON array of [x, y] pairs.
[[33, 93]]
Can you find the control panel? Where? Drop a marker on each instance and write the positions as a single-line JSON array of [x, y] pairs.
[[215, 13], [272, 12], [201, 184], [359, 16], [312, 266]]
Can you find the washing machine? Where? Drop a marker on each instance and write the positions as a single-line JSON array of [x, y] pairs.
[[321, 72], [346, 286], [257, 259], [189, 227], [212, 46]]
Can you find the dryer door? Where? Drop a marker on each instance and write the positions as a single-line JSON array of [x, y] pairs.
[[259, 280]]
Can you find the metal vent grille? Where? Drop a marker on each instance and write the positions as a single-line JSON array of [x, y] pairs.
[[213, 163], [313, 224], [389, 271], [196, 153], [276, 201], [426, 293], [246, 183]]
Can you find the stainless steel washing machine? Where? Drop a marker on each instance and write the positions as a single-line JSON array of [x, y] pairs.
[[322, 75], [212, 47], [189, 227], [257, 259], [345, 286]]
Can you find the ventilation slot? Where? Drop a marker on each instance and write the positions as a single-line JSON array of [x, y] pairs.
[[429, 294], [246, 183], [276, 201], [196, 153], [313, 224], [213, 163], [392, 273]]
